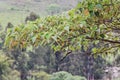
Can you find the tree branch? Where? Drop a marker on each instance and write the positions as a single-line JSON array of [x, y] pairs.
[[66, 55], [105, 40]]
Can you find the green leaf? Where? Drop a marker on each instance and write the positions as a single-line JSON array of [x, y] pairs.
[[99, 6], [49, 35], [91, 6], [66, 28], [102, 36], [54, 38], [94, 50], [72, 48], [29, 48], [82, 23], [94, 28], [34, 39], [96, 42]]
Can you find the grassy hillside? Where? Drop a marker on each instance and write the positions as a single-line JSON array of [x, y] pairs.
[[15, 11]]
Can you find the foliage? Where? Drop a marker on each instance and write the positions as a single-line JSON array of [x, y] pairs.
[[5, 63], [41, 75], [62, 75], [76, 63], [79, 78], [31, 17], [13, 74], [92, 21], [93, 26]]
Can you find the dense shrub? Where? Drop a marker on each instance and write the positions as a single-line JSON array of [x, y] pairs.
[[40, 75], [12, 75], [5, 63], [32, 17], [62, 75]]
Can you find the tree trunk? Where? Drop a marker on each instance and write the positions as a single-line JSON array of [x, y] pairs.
[[23, 75]]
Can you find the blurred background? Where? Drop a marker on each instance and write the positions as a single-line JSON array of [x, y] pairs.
[[15, 11]]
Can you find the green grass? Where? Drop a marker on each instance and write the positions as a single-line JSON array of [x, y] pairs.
[[15, 11], [14, 17]]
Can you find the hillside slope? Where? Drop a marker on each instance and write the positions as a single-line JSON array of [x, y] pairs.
[[15, 11]]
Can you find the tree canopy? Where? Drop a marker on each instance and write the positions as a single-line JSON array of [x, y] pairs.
[[91, 22]]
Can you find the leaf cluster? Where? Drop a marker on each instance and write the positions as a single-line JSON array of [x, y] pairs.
[[92, 21]]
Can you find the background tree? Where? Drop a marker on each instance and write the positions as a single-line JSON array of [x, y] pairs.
[[31, 17]]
